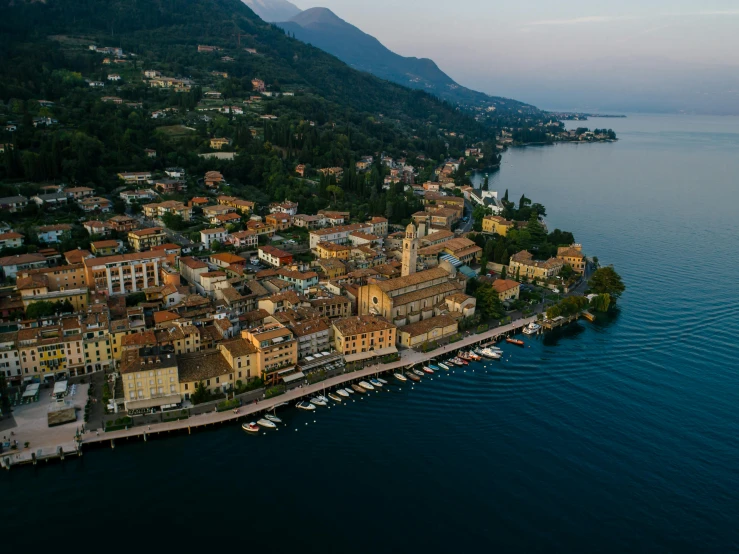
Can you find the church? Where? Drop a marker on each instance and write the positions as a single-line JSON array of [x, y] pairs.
[[416, 296]]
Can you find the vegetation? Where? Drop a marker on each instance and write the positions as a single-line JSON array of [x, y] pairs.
[[605, 281], [489, 305], [274, 391], [120, 423], [135, 298], [228, 405], [201, 394], [45, 308], [569, 306]]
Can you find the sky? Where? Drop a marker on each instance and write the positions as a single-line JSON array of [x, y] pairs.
[[630, 55]]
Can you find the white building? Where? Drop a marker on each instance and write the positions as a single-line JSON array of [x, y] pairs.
[[209, 236]]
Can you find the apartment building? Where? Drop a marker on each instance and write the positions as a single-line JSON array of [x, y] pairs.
[[365, 333], [277, 351], [124, 273], [145, 239]]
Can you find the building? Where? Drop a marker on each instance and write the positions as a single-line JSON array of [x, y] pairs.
[[462, 249], [13, 204], [331, 250], [79, 192], [106, 247], [331, 268], [95, 204], [414, 335], [339, 234], [124, 273], [507, 289], [241, 355], [277, 352], [379, 226], [287, 207], [209, 236], [122, 223], [192, 268], [308, 221], [523, 266], [11, 265], [213, 179], [279, 220], [139, 196], [52, 200], [53, 233], [274, 256], [244, 239], [219, 143], [301, 281], [332, 307], [312, 335], [135, 176], [11, 240], [410, 251], [573, 257], [366, 333], [245, 207], [336, 172], [495, 224], [146, 239], [150, 378], [157, 211]]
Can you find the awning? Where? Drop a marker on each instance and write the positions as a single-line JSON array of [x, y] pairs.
[[293, 377], [153, 402], [283, 371], [359, 356]]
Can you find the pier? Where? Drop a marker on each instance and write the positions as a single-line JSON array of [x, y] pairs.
[[248, 411]]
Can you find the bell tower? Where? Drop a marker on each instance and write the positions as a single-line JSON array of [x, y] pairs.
[[410, 251]]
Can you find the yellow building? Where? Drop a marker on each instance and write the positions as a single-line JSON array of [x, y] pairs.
[[218, 143], [208, 367], [105, 247], [573, 257], [523, 265], [241, 355], [366, 333], [427, 330], [332, 267], [277, 351], [507, 289], [145, 239], [496, 225], [159, 210], [37, 289], [96, 342], [326, 250], [150, 379], [242, 206]]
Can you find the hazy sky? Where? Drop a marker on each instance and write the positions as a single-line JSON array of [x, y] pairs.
[[543, 50]]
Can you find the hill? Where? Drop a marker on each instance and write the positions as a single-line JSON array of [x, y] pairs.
[[325, 30], [273, 10]]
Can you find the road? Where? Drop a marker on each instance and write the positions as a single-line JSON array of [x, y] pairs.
[[466, 227]]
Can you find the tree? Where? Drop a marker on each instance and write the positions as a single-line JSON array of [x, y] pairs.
[[39, 309], [601, 303], [488, 303], [135, 298], [335, 190], [201, 394], [605, 280], [174, 221], [119, 206]]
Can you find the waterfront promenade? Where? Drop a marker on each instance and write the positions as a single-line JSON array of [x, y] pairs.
[[407, 359]]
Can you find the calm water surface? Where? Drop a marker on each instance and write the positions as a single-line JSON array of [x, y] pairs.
[[614, 437]]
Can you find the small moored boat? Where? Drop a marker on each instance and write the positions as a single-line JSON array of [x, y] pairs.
[[366, 385], [342, 392], [349, 390], [266, 423], [412, 376], [303, 405], [334, 397], [381, 380], [427, 369], [250, 427], [273, 418], [460, 361], [400, 377], [321, 397], [418, 372], [517, 342], [434, 367], [358, 389], [444, 367], [375, 383], [531, 329], [317, 402]]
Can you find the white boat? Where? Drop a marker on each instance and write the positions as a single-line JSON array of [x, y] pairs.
[[418, 372], [323, 398], [250, 427], [266, 423], [342, 392], [334, 397], [317, 402], [273, 418], [443, 366], [400, 377], [427, 369], [350, 391], [492, 354], [531, 329], [382, 381], [366, 385], [375, 383], [303, 405]]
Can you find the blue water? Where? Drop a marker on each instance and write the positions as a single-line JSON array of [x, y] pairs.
[[619, 436]]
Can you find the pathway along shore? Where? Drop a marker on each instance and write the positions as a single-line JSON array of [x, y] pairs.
[[408, 358]]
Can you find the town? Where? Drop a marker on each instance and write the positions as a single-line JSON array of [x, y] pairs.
[[174, 290]]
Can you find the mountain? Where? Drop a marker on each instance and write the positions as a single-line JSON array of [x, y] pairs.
[[324, 29], [273, 10]]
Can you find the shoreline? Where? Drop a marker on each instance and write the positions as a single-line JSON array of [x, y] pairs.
[[408, 358]]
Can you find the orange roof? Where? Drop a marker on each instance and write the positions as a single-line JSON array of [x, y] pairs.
[[161, 317]]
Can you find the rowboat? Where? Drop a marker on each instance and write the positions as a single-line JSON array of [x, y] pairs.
[[358, 389], [375, 383], [418, 372], [366, 385], [334, 397], [342, 392], [444, 366], [381, 380], [273, 418], [400, 377], [412, 376], [266, 423], [428, 370], [517, 342], [317, 402]]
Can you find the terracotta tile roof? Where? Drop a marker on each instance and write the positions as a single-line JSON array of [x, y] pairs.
[[199, 366], [425, 325], [413, 279], [350, 326], [503, 285]]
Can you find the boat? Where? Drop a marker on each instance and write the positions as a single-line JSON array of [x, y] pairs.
[[517, 342], [492, 354], [427, 369], [464, 356], [266, 423], [321, 397], [444, 366], [358, 389], [418, 372], [451, 363], [381, 380], [349, 390], [317, 402], [342, 392], [478, 351], [273, 418], [375, 383], [400, 377], [474, 356], [334, 397], [531, 329], [460, 361], [412, 376], [366, 385], [434, 367], [250, 427], [303, 405]]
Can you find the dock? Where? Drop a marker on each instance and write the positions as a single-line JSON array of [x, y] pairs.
[[248, 412]]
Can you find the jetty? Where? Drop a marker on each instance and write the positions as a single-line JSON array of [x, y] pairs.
[[408, 358]]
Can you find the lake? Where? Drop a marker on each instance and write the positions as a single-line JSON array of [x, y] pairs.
[[611, 437]]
